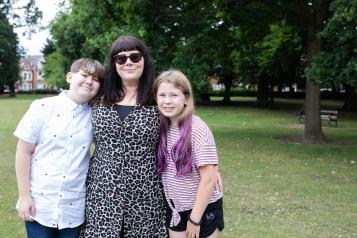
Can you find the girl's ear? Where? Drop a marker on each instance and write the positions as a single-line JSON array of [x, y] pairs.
[[69, 77], [186, 101]]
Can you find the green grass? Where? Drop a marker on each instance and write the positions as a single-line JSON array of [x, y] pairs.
[[271, 188]]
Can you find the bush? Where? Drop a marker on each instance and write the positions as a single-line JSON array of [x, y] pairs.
[[39, 91], [235, 92]]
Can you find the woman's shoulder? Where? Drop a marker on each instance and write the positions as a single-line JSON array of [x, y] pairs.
[[95, 101]]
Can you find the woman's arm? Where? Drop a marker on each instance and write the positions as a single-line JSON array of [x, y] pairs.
[[26, 206], [206, 186]]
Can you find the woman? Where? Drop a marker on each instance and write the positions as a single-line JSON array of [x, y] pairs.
[[124, 195]]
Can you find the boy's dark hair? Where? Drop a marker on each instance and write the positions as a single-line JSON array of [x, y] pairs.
[[112, 88], [89, 66]]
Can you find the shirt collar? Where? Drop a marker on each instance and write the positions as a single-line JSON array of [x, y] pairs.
[[70, 104]]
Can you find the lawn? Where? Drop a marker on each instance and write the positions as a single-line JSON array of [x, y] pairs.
[[272, 188]]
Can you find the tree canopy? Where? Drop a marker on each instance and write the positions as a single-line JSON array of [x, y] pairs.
[[26, 15], [270, 44]]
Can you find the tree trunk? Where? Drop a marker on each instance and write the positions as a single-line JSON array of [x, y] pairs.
[[291, 91], [12, 89], [227, 80], [312, 131], [263, 91], [271, 96], [350, 103]]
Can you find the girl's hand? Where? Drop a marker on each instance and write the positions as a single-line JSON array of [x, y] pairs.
[[192, 231], [26, 208]]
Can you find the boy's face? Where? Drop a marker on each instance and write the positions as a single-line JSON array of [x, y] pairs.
[[83, 86]]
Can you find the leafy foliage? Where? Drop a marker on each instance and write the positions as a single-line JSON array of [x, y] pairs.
[[279, 53], [337, 63], [21, 15], [9, 59]]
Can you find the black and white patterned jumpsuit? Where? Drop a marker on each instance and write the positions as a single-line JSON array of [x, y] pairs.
[[122, 188]]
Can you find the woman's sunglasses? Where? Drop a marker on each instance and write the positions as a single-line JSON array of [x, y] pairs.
[[134, 57]]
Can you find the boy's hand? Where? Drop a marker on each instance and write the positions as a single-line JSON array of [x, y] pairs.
[[26, 208], [192, 231]]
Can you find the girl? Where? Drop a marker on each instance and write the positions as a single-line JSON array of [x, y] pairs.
[[186, 160]]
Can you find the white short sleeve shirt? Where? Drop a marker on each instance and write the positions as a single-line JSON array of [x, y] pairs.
[[62, 133]]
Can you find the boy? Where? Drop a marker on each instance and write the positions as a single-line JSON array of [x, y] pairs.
[[52, 155]]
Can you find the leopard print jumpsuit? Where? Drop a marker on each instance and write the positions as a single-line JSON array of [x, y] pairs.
[[122, 188]]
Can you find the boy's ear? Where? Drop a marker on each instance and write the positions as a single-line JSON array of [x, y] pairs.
[[69, 77]]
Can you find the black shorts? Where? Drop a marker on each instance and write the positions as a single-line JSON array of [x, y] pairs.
[[212, 219]]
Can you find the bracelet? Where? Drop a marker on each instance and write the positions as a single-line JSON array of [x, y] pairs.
[[193, 222]]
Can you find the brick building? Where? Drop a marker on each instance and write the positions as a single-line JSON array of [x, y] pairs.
[[31, 73]]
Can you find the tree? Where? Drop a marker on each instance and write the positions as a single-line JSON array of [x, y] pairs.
[[278, 57], [337, 63], [9, 59], [9, 52], [319, 12], [73, 37]]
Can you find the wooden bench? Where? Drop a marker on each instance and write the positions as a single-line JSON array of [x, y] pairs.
[[327, 115]]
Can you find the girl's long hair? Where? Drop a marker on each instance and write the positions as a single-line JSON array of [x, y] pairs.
[[182, 150]]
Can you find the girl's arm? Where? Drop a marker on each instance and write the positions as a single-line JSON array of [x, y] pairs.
[[206, 186], [26, 206], [219, 179]]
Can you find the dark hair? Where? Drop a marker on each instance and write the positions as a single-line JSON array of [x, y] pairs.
[[112, 87]]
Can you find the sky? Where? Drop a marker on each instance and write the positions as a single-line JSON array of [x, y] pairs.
[[34, 45]]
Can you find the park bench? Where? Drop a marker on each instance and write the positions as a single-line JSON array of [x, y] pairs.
[[327, 115]]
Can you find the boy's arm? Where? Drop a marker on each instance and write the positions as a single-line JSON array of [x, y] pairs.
[[208, 180], [26, 206]]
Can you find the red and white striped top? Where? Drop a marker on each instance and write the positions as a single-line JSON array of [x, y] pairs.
[[182, 191]]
